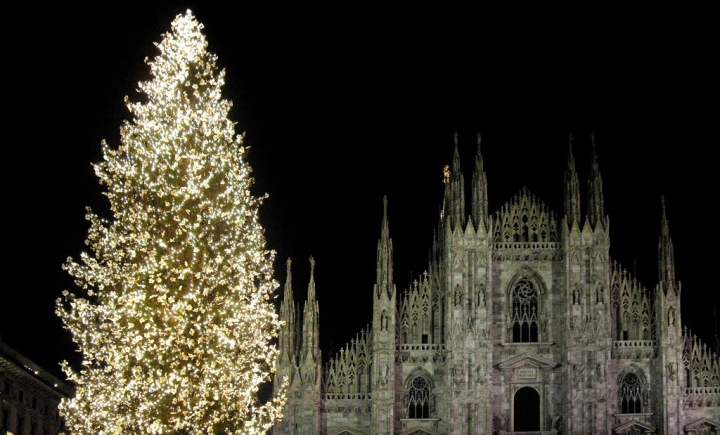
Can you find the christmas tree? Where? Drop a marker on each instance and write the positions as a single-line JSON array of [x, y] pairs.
[[174, 316]]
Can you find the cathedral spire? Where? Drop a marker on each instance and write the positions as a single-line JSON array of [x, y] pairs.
[[455, 192], [596, 209], [310, 333], [287, 336], [572, 190], [311, 285], [288, 333], [288, 296], [666, 257], [479, 190], [383, 335], [384, 269]]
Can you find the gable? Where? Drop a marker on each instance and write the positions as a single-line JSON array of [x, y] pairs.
[[634, 426], [702, 423], [525, 360], [417, 431], [344, 431]]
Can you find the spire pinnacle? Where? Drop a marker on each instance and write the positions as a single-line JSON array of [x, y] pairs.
[[596, 209], [479, 204], [385, 204], [666, 256], [288, 302], [455, 191], [572, 189], [311, 286], [289, 329], [311, 316], [384, 268]]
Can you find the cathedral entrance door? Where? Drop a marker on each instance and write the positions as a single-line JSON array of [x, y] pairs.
[[526, 410]]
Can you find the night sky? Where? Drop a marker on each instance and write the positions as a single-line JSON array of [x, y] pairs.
[[343, 106]]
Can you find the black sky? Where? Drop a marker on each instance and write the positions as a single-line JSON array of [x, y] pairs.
[[342, 106]]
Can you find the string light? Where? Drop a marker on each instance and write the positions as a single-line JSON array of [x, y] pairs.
[[175, 319]]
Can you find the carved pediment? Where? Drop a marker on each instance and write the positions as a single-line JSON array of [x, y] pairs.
[[703, 423], [344, 431], [525, 360], [419, 426], [634, 427], [418, 431]]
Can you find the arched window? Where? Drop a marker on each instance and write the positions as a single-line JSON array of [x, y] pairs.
[[419, 398], [631, 392], [524, 312]]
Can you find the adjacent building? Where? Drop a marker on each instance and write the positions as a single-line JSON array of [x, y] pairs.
[[29, 396]]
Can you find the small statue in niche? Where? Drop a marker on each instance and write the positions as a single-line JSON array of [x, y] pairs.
[[503, 422], [576, 296], [555, 421], [481, 296], [579, 370], [458, 295], [383, 374]]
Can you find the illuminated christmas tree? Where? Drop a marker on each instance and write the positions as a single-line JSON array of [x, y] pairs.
[[174, 317]]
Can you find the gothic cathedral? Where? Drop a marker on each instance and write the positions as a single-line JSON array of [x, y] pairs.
[[521, 324]]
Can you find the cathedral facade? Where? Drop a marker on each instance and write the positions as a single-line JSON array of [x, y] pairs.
[[521, 324]]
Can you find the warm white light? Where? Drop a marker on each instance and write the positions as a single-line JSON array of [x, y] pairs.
[[176, 318]]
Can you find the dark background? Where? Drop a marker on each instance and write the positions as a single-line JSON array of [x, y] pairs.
[[343, 105]]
